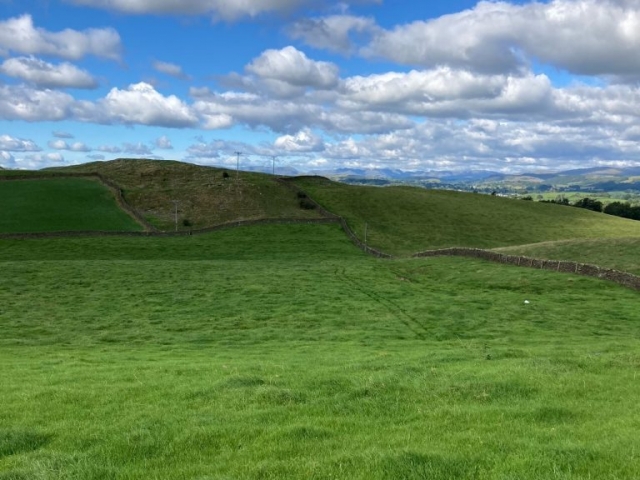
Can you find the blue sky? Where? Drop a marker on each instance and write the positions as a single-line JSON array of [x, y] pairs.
[[457, 85]]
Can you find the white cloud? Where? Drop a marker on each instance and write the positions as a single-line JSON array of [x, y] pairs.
[[109, 149], [333, 32], [222, 9], [302, 142], [291, 68], [163, 143], [19, 35], [13, 144], [36, 161], [137, 149], [74, 147], [46, 75], [170, 69], [142, 104], [587, 37], [61, 134], [19, 102], [6, 159]]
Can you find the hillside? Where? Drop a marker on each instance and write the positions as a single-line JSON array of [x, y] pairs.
[[405, 220], [205, 195]]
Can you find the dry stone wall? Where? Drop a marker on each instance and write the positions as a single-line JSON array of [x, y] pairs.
[[623, 278]]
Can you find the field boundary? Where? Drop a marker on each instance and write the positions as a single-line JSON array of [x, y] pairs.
[[290, 183], [622, 278], [111, 186]]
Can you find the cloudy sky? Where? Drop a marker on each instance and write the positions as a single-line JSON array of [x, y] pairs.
[[510, 86]]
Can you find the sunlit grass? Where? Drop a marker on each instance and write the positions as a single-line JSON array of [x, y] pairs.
[[406, 220], [284, 352]]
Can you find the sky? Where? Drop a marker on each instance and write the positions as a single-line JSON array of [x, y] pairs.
[[507, 86]]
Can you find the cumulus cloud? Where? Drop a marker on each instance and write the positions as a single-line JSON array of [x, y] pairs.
[[13, 144], [163, 143], [6, 159], [36, 161], [46, 75], [96, 156], [333, 32], [170, 69], [221, 9], [109, 149], [19, 35], [289, 116], [142, 104], [303, 141], [137, 149], [20, 102], [289, 71], [74, 147], [597, 37]]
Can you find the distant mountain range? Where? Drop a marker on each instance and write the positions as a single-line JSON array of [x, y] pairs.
[[596, 178]]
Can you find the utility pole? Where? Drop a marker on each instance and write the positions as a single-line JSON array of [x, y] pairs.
[[175, 204], [366, 227], [273, 170], [237, 154]]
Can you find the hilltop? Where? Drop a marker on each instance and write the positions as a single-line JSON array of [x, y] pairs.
[[206, 196]]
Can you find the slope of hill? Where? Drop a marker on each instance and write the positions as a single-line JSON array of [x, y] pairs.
[[60, 204], [405, 220], [205, 196]]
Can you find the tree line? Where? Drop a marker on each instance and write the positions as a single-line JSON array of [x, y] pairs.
[[619, 209]]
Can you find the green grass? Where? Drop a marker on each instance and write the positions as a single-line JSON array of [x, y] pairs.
[[406, 220], [205, 197], [284, 352], [618, 253], [60, 204]]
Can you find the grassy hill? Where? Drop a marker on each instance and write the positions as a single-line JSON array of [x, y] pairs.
[[60, 204], [205, 196], [282, 351], [405, 220]]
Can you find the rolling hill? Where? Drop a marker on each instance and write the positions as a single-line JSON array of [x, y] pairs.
[[281, 351]]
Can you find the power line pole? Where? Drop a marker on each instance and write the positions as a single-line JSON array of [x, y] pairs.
[[237, 154], [366, 227], [175, 204], [273, 170]]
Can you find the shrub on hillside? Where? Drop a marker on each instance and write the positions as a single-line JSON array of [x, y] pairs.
[[307, 204]]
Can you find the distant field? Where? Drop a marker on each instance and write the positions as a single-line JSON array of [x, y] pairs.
[[284, 352], [605, 198], [618, 253], [60, 204], [404, 220]]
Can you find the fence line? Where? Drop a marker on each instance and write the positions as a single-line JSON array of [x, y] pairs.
[[622, 278], [288, 181]]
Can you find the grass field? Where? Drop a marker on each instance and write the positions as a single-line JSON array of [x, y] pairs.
[[618, 253], [284, 352], [406, 220], [60, 204]]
